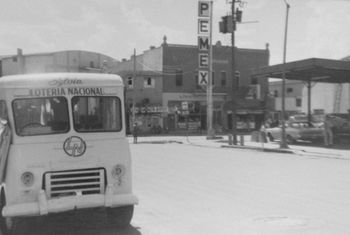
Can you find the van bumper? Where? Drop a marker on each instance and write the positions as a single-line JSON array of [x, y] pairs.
[[46, 206]]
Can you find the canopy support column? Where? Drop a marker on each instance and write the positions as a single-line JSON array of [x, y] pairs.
[[309, 100]]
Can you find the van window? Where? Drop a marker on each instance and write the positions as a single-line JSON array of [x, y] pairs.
[[41, 116], [3, 110], [97, 114]]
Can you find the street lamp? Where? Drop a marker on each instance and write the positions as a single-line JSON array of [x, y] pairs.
[[283, 139]]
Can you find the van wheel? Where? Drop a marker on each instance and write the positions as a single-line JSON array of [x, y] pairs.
[[120, 216]]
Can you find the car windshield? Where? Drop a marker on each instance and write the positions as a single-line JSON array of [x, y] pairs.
[[41, 116], [96, 114]]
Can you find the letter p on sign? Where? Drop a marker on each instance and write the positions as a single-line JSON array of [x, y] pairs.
[[203, 8]]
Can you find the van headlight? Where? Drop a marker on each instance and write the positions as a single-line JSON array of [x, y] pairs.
[[27, 178], [118, 171]]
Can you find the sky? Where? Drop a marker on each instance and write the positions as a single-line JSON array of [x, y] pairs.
[[316, 28]]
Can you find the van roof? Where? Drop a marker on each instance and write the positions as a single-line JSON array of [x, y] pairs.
[[60, 79]]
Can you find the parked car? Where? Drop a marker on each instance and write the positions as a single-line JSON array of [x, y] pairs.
[[296, 131]]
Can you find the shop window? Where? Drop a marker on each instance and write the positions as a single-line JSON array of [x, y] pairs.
[[217, 117], [178, 77], [223, 78], [289, 90]]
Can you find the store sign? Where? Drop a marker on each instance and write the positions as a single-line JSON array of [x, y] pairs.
[[203, 60], [184, 105], [152, 109], [204, 20], [203, 8], [203, 43], [203, 78]]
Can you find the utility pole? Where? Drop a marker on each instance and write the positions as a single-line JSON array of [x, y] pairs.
[[210, 130], [283, 139], [134, 90], [233, 70], [228, 25]]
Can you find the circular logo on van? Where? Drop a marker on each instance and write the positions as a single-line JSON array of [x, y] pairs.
[[74, 146]]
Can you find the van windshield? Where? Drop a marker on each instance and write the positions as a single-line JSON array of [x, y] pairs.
[[41, 116], [97, 114]]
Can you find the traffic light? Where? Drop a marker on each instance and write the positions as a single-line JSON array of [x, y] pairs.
[[223, 25], [238, 15]]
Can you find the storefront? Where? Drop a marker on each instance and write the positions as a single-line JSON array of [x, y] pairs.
[[149, 119], [188, 112], [250, 115]]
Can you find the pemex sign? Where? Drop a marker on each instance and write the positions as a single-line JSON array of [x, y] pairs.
[[204, 28]]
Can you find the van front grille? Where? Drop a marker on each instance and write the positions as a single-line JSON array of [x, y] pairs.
[[78, 182]]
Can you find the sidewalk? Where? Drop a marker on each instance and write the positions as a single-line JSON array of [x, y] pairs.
[[222, 142]]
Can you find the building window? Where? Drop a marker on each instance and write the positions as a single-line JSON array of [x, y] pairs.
[[148, 82], [213, 78], [178, 77], [275, 93], [289, 90], [254, 81], [130, 82], [298, 102], [91, 64], [319, 111], [223, 78]]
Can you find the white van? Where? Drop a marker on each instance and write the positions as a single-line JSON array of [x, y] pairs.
[[68, 149]]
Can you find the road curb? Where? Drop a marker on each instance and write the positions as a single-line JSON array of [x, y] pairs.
[[260, 149]]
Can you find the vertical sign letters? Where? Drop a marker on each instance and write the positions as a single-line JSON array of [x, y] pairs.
[[203, 41]]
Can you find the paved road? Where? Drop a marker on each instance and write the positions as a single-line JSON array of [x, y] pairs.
[[197, 189]]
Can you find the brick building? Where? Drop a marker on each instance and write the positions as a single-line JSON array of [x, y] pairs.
[[166, 93]]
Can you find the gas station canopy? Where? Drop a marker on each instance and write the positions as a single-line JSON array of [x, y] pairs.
[[309, 70]]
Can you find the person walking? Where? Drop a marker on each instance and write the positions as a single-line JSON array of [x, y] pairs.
[[135, 132], [328, 131]]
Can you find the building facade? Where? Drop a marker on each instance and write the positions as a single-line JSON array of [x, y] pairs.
[[293, 98], [165, 82], [63, 61]]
